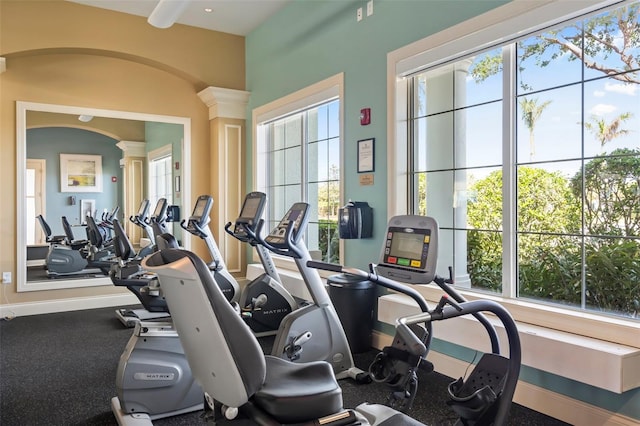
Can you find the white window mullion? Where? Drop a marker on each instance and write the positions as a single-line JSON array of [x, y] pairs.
[[509, 200], [304, 158]]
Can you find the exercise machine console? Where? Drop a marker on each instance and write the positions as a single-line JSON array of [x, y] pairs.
[[198, 225], [264, 301]]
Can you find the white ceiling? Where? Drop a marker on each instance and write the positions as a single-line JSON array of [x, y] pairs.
[[238, 17]]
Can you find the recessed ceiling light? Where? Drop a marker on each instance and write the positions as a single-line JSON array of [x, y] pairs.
[[208, 9]]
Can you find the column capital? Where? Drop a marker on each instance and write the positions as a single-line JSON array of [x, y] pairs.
[[225, 103], [132, 148]]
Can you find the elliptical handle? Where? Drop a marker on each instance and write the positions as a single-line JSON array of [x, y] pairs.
[[332, 267], [228, 230]]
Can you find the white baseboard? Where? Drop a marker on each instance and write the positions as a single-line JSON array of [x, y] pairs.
[[63, 305], [534, 397]]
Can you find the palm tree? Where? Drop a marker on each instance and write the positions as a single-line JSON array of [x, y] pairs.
[[604, 132], [531, 112]]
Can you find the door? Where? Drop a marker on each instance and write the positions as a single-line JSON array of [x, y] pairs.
[[35, 199]]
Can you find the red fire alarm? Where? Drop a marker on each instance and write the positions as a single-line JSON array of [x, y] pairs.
[[365, 116], [114, 179]]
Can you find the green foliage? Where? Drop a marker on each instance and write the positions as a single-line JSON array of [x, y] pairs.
[[484, 259], [606, 132], [550, 248], [613, 276], [484, 243], [550, 268], [485, 67], [612, 193], [546, 202], [583, 41], [329, 240]]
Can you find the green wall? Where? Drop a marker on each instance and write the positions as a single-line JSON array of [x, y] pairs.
[[311, 40]]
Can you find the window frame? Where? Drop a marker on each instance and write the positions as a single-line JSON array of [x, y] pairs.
[[161, 153], [502, 25], [315, 94]]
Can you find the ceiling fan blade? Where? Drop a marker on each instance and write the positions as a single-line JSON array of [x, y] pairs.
[[167, 13]]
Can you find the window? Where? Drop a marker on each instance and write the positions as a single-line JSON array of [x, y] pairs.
[[300, 160], [160, 175], [527, 153]]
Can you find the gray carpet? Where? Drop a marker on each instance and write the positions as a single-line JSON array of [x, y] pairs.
[[59, 369]]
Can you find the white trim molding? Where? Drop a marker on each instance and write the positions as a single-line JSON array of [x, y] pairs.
[[133, 148], [225, 103], [13, 310], [21, 148]]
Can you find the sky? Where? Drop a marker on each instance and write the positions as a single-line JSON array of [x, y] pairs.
[[558, 133]]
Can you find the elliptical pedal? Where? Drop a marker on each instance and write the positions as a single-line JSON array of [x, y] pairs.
[[474, 398]]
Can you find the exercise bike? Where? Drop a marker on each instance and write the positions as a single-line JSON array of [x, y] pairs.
[[237, 378], [158, 219], [127, 272], [65, 260], [198, 225], [313, 332], [264, 301], [141, 219], [153, 378]]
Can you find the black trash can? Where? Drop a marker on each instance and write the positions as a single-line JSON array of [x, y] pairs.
[[354, 300]]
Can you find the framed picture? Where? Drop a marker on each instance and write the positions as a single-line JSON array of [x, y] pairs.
[[80, 173], [87, 208], [366, 155]]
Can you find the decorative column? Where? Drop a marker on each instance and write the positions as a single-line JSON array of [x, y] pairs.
[[133, 161], [227, 125]]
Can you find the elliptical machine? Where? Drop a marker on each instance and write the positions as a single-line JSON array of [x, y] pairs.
[[409, 256], [198, 225], [264, 302]]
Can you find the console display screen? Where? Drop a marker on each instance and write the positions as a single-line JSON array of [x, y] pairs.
[[143, 208], [160, 208], [407, 247], [199, 209], [250, 208]]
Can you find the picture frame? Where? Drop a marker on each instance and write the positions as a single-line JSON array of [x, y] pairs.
[[366, 155], [80, 173], [87, 208]]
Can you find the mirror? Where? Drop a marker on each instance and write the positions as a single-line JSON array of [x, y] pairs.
[[33, 115]]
